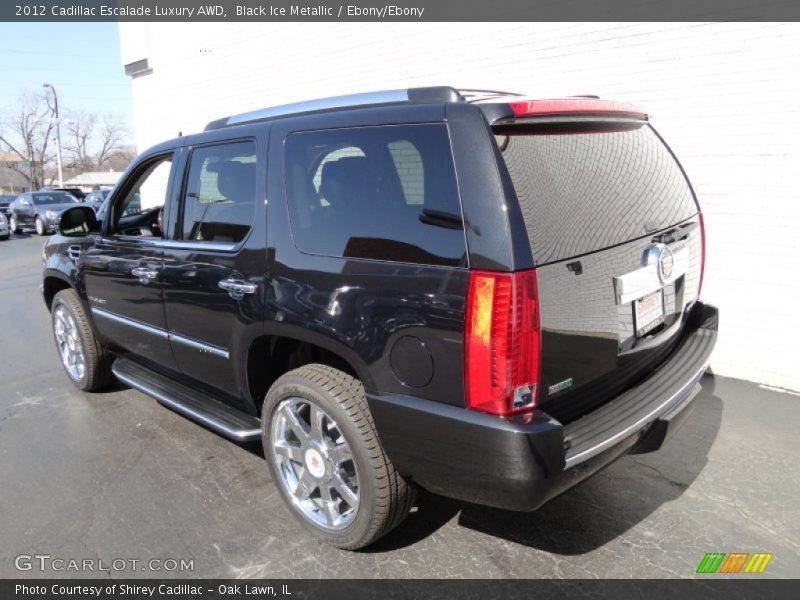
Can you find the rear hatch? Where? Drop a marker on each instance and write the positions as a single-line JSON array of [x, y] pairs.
[[616, 237]]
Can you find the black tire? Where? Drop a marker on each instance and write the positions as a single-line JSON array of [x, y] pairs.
[[385, 498], [39, 225], [13, 226], [97, 374], [4, 237]]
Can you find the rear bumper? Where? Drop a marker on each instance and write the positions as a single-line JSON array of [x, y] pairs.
[[522, 462]]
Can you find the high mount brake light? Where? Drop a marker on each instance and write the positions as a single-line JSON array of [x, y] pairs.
[[503, 342], [576, 106]]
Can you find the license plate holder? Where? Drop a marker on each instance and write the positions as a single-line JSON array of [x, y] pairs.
[[648, 313]]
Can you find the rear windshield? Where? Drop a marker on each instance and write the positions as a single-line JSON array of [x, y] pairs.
[[588, 190]]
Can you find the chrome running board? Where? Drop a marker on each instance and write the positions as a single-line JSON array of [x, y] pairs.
[[196, 405]]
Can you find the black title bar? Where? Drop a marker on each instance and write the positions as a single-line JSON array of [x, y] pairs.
[[399, 10]]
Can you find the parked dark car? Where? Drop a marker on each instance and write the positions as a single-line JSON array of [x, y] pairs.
[[96, 198], [5, 203], [489, 299], [39, 211]]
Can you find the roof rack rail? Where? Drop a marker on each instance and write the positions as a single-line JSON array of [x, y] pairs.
[[420, 95], [479, 95]]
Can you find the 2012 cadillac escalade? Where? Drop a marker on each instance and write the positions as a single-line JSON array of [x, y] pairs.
[[480, 294]]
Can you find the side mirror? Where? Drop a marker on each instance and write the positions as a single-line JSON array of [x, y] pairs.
[[78, 221]]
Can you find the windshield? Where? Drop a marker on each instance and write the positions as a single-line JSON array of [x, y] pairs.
[[43, 199]]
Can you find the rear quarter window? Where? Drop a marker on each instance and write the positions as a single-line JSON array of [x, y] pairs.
[[383, 193]]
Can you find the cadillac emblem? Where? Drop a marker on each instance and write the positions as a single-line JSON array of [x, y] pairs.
[[666, 261]]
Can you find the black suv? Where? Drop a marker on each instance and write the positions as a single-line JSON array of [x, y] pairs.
[[474, 293]]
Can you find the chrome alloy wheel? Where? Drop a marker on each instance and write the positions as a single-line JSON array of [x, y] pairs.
[[69, 343], [314, 464]]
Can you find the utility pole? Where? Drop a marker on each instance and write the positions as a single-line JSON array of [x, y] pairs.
[[58, 136]]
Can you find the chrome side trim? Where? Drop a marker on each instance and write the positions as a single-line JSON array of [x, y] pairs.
[[607, 443], [189, 245], [241, 435], [216, 350], [169, 335], [386, 97], [130, 322], [645, 280], [173, 244]]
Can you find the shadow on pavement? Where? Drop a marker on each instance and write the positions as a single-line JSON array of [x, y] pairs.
[[595, 512]]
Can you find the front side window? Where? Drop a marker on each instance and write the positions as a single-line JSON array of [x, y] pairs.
[[384, 193], [140, 211], [219, 200]]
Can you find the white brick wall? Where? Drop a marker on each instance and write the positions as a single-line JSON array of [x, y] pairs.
[[725, 96]]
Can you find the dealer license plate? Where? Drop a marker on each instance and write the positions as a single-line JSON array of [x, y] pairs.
[[648, 312]]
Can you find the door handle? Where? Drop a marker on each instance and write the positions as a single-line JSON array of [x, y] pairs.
[[144, 274], [237, 288]]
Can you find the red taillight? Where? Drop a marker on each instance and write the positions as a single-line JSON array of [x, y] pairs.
[[502, 342], [702, 253], [578, 106]]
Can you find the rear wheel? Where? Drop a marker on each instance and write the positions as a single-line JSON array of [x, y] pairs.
[[326, 459], [80, 351]]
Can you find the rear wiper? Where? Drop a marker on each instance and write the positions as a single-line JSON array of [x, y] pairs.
[[439, 218]]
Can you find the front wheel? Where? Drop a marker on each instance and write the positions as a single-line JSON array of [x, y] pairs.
[[13, 226], [40, 228], [326, 459], [80, 351]]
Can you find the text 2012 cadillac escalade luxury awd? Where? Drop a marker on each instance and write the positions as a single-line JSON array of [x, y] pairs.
[[475, 293]]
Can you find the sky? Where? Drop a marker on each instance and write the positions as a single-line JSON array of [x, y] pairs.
[[81, 60]]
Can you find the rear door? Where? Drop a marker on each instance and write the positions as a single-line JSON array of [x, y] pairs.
[[214, 259], [614, 230]]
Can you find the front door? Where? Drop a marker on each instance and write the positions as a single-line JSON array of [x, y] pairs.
[[24, 211], [123, 271], [214, 263]]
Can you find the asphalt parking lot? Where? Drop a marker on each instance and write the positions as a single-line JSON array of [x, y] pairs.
[[115, 475]]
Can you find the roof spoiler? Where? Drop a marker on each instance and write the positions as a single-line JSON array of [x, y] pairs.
[[422, 95]]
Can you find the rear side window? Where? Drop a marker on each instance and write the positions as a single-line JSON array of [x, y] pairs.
[[219, 203], [581, 192], [385, 193]]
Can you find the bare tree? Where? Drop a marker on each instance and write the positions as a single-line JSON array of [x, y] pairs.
[[79, 128], [112, 137], [96, 143], [27, 132], [90, 142]]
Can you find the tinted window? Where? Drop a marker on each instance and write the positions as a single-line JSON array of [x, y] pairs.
[[581, 192], [139, 211], [386, 193], [219, 202]]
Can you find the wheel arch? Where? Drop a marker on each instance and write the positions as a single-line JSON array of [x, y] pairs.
[[54, 282], [271, 355]]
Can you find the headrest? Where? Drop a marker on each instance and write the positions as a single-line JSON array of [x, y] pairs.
[[346, 179], [235, 180]]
